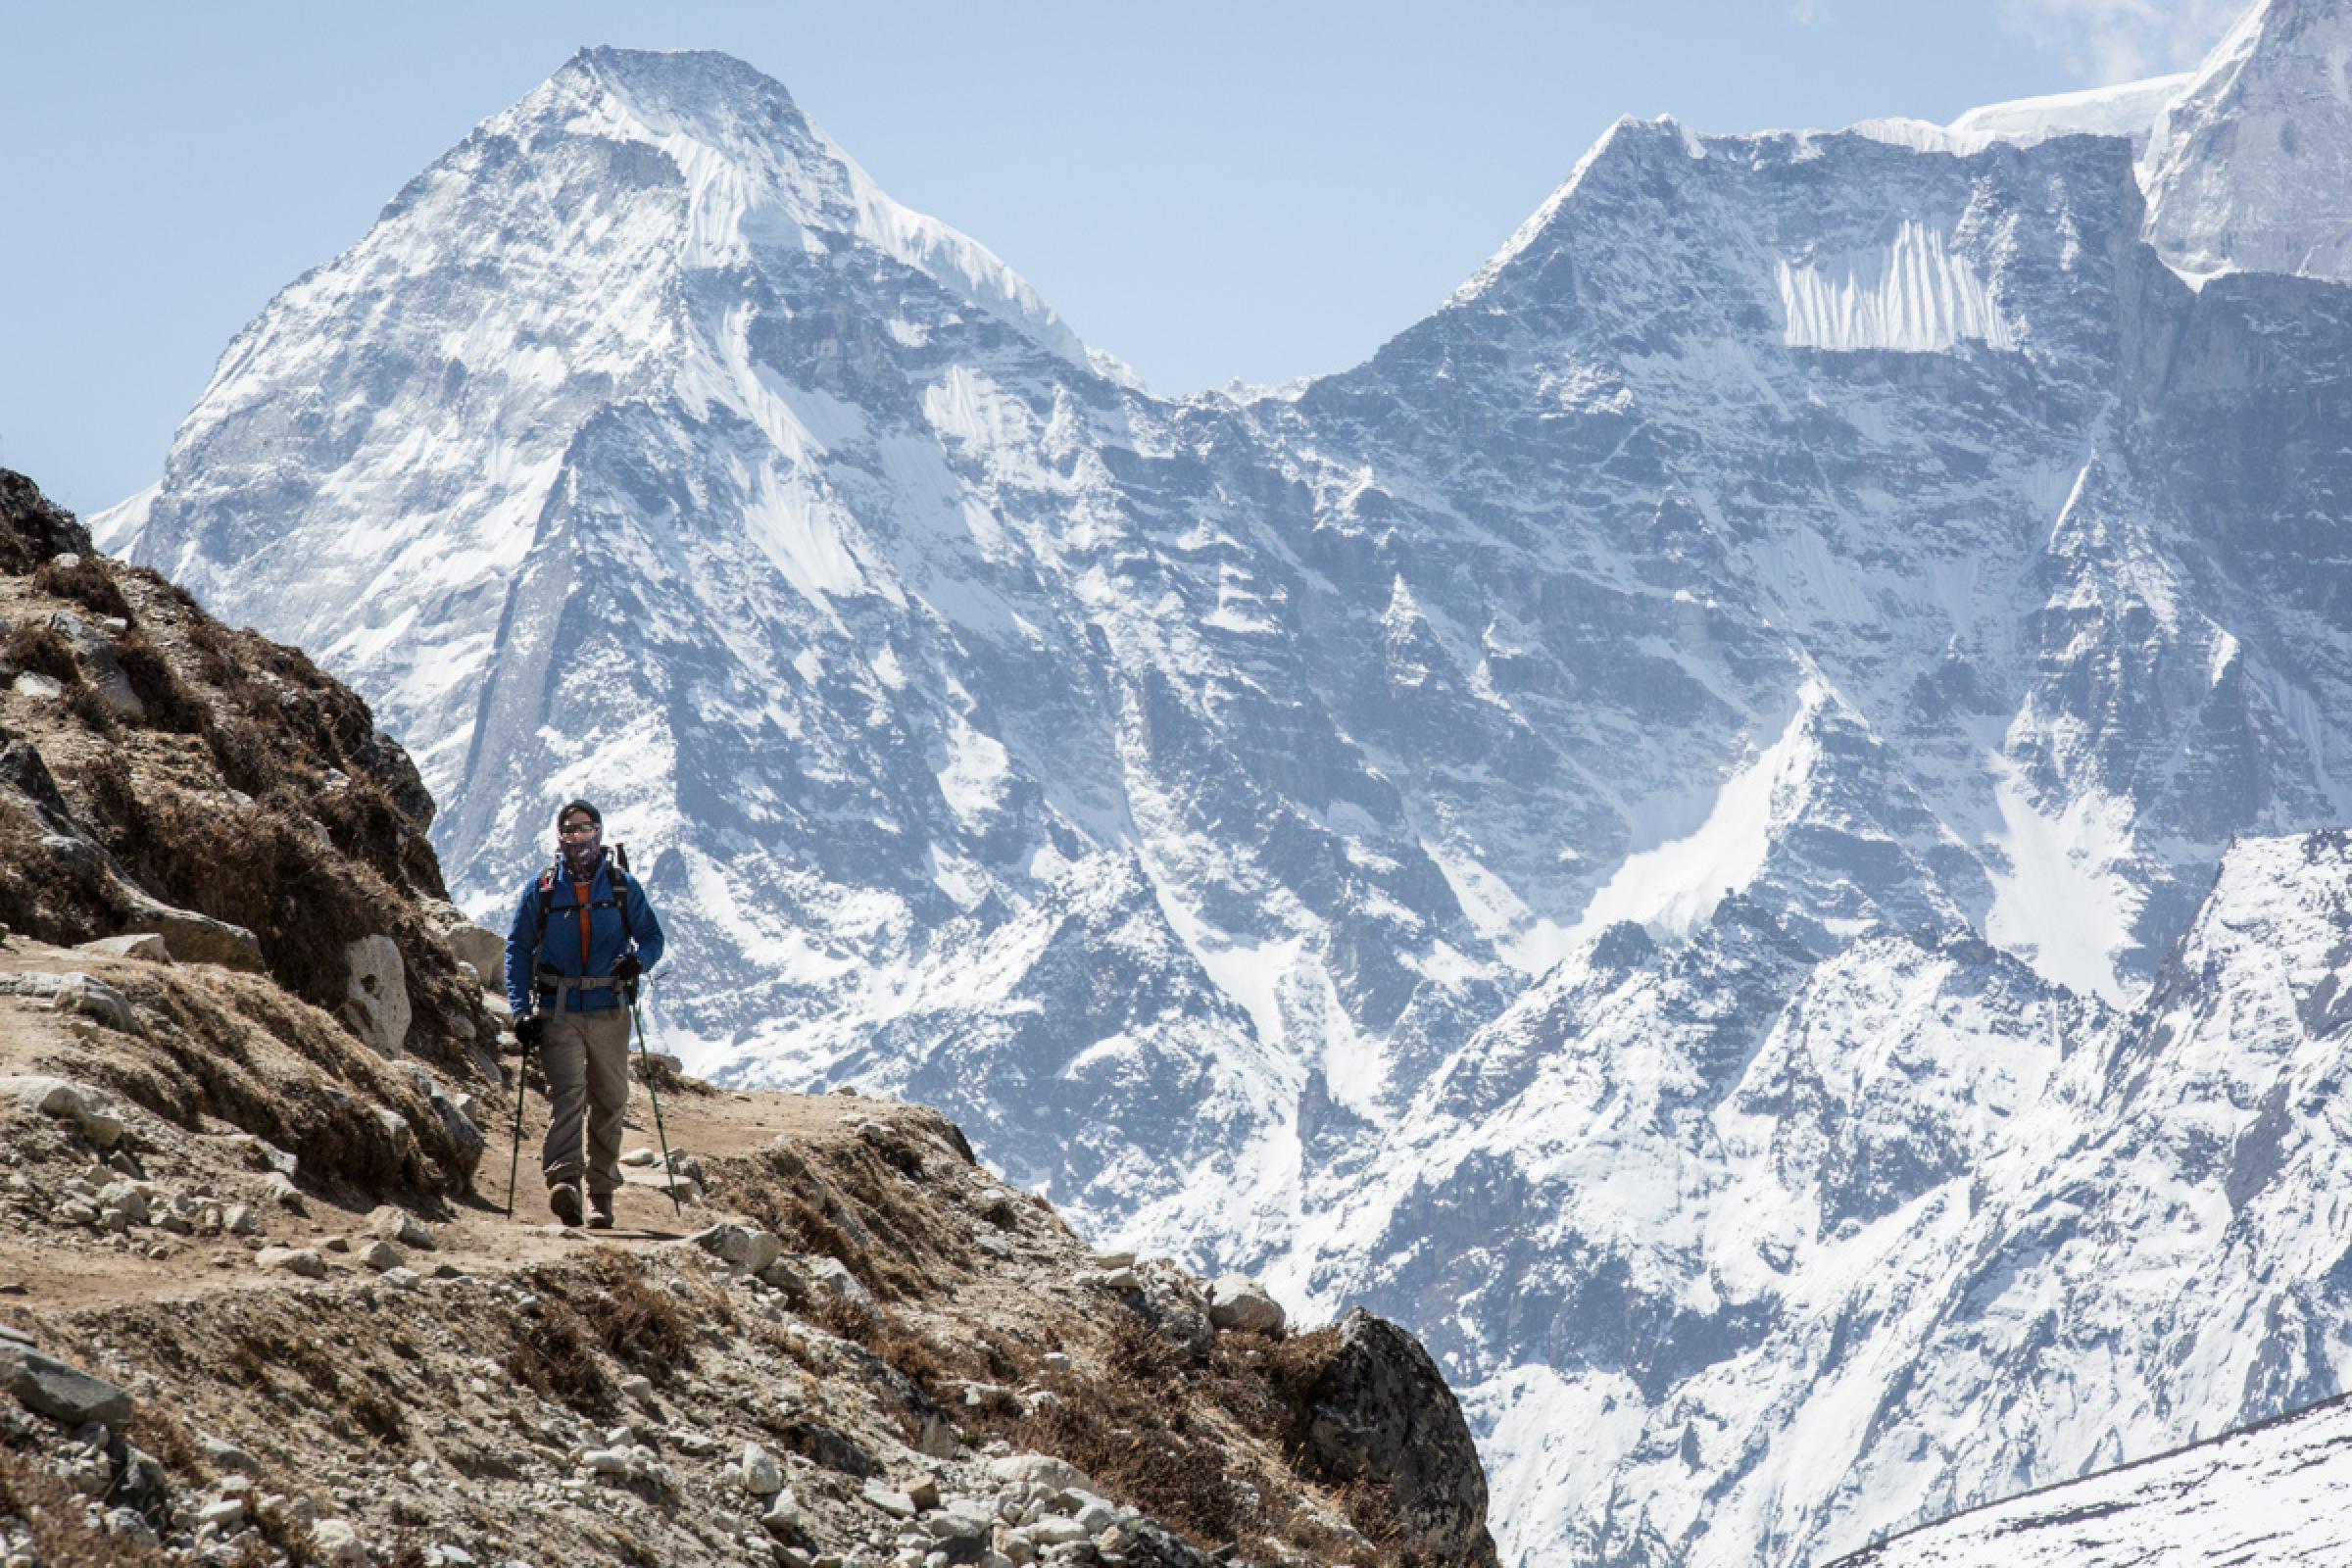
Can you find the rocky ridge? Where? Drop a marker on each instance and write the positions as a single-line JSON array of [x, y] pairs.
[[259, 1302]]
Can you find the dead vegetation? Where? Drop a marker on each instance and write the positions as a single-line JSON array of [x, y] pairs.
[[1165, 1418], [284, 1072], [255, 789], [867, 1210], [58, 1523]]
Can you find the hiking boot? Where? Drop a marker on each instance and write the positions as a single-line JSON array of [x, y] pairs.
[[600, 1217], [564, 1200]]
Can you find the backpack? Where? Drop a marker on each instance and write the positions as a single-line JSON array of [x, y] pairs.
[[617, 873]]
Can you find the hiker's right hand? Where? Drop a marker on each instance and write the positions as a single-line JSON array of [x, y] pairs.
[[529, 1031]]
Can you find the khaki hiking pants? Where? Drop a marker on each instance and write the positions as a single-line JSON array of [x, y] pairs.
[[586, 1058]]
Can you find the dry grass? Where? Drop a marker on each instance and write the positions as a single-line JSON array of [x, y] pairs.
[[555, 1355], [162, 1434], [647, 1327], [604, 1307], [863, 1208], [58, 1518], [170, 706], [282, 1071], [86, 582], [46, 893], [36, 646]]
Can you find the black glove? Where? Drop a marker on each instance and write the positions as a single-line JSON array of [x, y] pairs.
[[626, 968], [529, 1030]]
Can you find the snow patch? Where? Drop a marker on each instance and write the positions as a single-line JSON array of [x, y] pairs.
[[1674, 888], [2064, 905]]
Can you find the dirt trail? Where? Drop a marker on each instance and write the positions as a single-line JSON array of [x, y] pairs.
[[43, 1270]]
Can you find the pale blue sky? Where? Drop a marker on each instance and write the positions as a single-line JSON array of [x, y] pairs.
[[1209, 190]]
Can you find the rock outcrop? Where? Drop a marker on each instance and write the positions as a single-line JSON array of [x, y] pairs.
[[1379, 1412]]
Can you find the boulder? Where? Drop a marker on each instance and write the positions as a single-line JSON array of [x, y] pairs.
[[44, 1097], [336, 1543], [59, 1392], [68, 1101], [783, 1516], [833, 1276], [302, 1261], [452, 1111], [890, 1501], [128, 1197], [376, 1006], [225, 1455], [192, 938], [750, 1251], [759, 1472], [1244, 1306], [482, 948], [1379, 1412], [94, 656], [262, 1155]]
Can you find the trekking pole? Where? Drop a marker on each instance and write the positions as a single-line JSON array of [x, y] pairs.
[[645, 1055], [515, 1164]]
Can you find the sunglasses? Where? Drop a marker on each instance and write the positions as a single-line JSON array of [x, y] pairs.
[[576, 830]]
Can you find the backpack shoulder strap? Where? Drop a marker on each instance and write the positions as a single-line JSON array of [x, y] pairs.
[[547, 900]]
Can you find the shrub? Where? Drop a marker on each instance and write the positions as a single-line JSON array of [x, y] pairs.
[[36, 646], [643, 1325], [86, 582]]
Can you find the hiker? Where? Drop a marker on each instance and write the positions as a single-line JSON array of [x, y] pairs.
[[582, 936]]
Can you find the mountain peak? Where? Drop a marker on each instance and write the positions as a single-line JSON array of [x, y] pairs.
[[2250, 169], [702, 93]]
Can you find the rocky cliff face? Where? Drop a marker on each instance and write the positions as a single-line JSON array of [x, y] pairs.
[[264, 1303], [1603, 831], [2247, 167]]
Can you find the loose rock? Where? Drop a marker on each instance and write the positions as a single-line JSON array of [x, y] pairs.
[[400, 1228], [302, 1261], [1242, 1307], [338, 1543], [758, 1471], [93, 998], [748, 1249], [1040, 1469]]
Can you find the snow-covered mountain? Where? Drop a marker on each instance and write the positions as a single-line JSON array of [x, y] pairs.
[[2250, 168], [2272, 1494], [1644, 831]]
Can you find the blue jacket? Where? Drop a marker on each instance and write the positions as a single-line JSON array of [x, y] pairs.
[[612, 931]]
